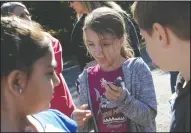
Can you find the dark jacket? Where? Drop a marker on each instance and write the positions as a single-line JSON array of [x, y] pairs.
[[180, 121], [78, 46], [133, 34]]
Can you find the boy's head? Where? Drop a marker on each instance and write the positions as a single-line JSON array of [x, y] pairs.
[[166, 29]]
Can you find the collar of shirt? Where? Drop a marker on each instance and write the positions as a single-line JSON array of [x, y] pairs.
[[179, 86]]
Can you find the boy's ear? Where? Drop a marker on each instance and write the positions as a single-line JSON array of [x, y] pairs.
[[160, 34]]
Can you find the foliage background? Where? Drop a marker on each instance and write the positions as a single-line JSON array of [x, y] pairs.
[[58, 18]]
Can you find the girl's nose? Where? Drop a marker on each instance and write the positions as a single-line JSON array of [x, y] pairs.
[[98, 50], [56, 80]]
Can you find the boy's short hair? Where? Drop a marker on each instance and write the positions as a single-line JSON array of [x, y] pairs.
[[172, 14]]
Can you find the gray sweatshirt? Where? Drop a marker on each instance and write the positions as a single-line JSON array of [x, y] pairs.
[[137, 102]]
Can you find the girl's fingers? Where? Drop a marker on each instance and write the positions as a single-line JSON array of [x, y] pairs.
[[116, 88], [112, 92], [80, 119], [109, 96], [81, 113], [80, 123]]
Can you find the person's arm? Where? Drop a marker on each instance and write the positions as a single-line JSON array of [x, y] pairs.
[[143, 109], [63, 100], [187, 120], [75, 39], [83, 99], [77, 35]]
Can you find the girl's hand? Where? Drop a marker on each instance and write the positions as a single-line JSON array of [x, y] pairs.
[[112, 92], [81, 115]]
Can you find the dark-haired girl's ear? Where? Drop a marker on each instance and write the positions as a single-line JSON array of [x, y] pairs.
[[16, 81]]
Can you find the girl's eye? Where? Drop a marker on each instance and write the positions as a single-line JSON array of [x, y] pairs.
[[105, 44], [51, 74], [90, 44]]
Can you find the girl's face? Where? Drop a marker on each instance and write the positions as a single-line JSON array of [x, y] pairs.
[[77, 6], [39, 88], [105, 49], [22, 13]]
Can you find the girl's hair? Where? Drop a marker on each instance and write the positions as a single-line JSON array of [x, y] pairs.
[[105, 20], [92, 5], [89, 6], [21, 45], [8, 7]]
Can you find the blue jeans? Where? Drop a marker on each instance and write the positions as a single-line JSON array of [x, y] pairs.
[[173, 77]]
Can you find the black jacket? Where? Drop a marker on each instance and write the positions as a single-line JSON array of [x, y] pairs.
[[78, 46], [180, 121], [133, 34]]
